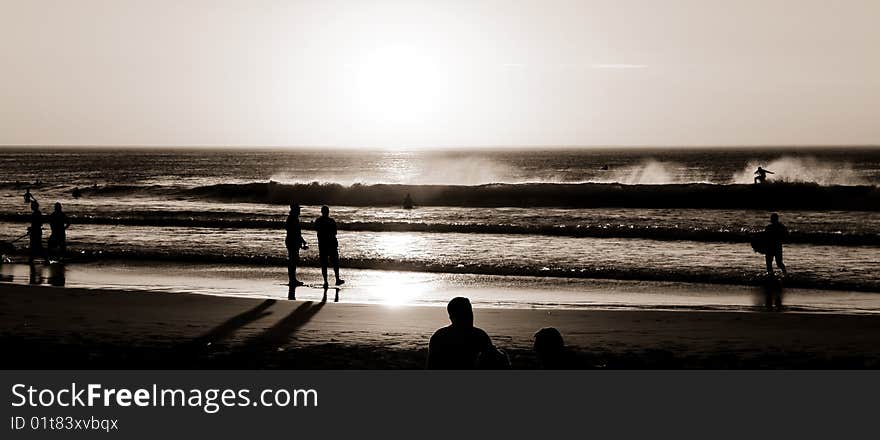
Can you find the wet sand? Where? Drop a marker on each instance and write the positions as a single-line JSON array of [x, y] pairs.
[[50, 327]]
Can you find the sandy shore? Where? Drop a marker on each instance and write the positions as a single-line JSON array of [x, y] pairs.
[[46, 327]]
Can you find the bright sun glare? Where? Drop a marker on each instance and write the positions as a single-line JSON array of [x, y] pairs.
[[397, 85]]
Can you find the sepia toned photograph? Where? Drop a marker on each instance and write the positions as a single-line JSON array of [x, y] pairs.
[[464, 185]]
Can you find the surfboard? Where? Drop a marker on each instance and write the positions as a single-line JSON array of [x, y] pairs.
[[759, 243]]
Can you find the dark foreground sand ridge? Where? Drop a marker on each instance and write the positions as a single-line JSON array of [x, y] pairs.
[[44, 327]]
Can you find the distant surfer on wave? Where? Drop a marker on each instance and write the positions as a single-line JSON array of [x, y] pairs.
[[761, 176]]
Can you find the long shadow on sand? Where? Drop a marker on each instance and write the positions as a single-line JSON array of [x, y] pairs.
[[281, 332], [262, 350], [229, 327], [205, 350]]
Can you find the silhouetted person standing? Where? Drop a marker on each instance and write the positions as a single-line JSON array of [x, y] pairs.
[[407, 202], [328, 247], [761, 176], [460, 345], [28, 197], [294, 243], [58, 223], [775, 234], [35, 231]]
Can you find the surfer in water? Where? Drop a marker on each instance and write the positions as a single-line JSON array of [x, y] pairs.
[[28, 197], [761, 175], [328, 247], [294, 242], [775, 234], [407, 202], [58, 223]]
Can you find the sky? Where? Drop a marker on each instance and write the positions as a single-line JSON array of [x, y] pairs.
[[444, 73]]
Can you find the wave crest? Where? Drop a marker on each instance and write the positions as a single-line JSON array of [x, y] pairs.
[[803, 170], [771, 196]]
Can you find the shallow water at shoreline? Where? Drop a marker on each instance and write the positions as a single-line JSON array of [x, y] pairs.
[[825, 267], [395, 288]]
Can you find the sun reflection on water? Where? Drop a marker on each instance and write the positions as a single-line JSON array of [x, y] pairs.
[[399, 245], [396, 288]]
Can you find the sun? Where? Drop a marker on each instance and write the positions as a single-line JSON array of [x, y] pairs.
[[397, 85]]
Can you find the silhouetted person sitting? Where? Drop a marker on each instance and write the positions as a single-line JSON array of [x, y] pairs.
[[328, 247], [294, 242], [35, 231], [461, 346], [762, 175], [407, 202], [58, 223], [775, 234], [551, 351]]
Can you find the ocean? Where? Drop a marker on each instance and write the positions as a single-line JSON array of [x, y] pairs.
[[660, 215]]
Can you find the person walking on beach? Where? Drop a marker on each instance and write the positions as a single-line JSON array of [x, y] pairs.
[[460, 345], [775, 234], [35, 231], [294, 243], [328, 247], [58, 223], [762, 175]]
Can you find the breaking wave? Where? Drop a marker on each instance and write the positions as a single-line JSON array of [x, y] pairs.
[[771, 196], [803, 170]]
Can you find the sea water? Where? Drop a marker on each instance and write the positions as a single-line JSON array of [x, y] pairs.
[[614, 214]]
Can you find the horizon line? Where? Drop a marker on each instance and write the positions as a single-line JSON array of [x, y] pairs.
[[439, 148]]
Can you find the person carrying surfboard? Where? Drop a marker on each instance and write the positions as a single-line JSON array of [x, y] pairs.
[[774, 235], [328, 246]]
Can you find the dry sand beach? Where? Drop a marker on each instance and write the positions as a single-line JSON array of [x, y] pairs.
[[49, 327]]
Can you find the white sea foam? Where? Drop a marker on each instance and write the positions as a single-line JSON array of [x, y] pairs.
[[802, 169]]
